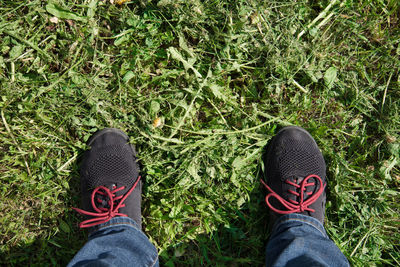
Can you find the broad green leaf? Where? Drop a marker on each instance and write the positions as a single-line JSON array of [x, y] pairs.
[[239, 163], [177, 56], [394, 149], [330, 77], [16, 51], [175, 210], [314, 31], [163, 3], [121, 40], [64, 226], [184, 46], [128, 76], [218, 91], [92, 7], [180, 251], [193, 171], [154, 107], [61, 13], [234, 179]]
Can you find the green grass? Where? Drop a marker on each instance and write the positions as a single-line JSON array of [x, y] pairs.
[[222, 76]]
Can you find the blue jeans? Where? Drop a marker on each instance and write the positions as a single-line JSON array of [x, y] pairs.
[[296, 240], [118, 242], [300, 240]]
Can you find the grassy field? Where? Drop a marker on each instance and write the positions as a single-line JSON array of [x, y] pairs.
[[200, 87]]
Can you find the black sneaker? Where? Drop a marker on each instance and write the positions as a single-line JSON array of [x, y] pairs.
[[110, 181], [296, 175]]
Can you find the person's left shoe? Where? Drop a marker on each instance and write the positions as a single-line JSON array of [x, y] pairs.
[[110, 181]]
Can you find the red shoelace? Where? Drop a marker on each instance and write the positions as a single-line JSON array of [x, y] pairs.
[[292, 205], [103, 215]]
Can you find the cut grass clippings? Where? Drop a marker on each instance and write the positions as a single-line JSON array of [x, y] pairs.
[[200, 87]]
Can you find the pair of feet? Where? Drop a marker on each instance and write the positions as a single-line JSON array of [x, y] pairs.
[[111, 185]]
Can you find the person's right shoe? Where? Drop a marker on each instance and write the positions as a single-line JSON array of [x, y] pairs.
[[295, 174]]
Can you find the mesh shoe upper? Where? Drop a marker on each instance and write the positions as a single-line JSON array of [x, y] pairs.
[[292, 156], [111, 162]]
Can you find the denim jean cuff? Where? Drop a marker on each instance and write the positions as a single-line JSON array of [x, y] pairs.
[[300, 218], [116, 221]]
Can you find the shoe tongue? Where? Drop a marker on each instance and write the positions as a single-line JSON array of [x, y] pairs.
[[309, 188], [110, 186], [105, 198]]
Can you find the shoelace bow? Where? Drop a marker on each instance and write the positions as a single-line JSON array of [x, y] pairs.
[[292, 205], [103, 215]]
